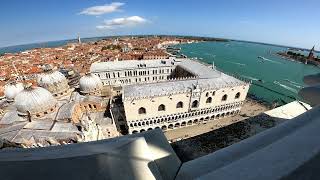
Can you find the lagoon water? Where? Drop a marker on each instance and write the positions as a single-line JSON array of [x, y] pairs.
[[279, 75]]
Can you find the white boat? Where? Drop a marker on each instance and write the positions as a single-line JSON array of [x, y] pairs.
[[262, 58]]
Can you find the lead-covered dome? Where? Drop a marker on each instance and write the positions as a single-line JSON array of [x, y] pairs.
[[90, 84], [53, 81], [35, 100], [11, 90]]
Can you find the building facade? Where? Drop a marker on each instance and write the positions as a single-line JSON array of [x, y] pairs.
[[175, 92], [120, 73], [174, 109]]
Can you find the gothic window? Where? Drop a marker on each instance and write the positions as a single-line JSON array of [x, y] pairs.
[[162, 107], [209, 100], [224, 97], [237, 95], [195, 104], [179, 105], [142, 110]]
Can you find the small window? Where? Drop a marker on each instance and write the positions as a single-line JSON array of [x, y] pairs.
[[209, 100], [213, 93], [207, 94], [224, 97], [142, 110], [237, 95], [162, 107], [180, 104], [195, 104]]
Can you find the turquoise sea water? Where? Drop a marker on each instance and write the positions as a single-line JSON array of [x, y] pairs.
[[278, 75]]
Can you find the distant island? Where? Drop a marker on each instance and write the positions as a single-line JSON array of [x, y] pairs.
[[291, 54]]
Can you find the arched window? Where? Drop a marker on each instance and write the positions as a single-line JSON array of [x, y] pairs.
[[237, 95], [180, 104], [209, 100], [142, 110], [195, 104], [224, 97], [162, 107], [207, 94]]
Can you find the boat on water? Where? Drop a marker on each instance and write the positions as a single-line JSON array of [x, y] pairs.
[[262, 58]]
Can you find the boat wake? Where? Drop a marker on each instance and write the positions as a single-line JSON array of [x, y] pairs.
[[298, 85], [249, 77], [285, 87], [269, 60], [240, 64]]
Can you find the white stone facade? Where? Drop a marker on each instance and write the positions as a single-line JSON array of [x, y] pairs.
[[121, 73], [180, 110], [172, 93]]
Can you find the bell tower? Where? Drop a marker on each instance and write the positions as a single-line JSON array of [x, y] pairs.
[[79, 39]]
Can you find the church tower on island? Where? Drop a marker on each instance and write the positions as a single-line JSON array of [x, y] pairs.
[[79, 39], [310, 56]]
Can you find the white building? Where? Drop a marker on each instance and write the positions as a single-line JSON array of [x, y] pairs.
[[118, 73], [171, 93]]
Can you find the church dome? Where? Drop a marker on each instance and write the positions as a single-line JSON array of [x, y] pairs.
[[90, 84], [53, 81], [11, 90], [35, 100]]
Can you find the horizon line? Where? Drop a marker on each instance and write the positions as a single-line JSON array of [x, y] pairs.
[[240, 40]]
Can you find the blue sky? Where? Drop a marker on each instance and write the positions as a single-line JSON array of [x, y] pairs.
[[286, 22]]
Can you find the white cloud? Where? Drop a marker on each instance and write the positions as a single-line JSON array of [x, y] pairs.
[[99, 10], [122, 22]]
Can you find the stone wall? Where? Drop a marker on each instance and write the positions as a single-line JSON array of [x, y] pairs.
[[207, 99]]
